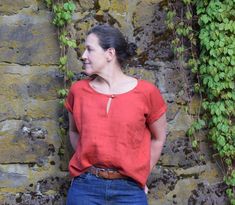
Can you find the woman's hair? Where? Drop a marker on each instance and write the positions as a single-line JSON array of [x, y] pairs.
[[110, 37]]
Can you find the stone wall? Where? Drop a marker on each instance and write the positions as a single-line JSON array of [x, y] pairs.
[[32, 169]]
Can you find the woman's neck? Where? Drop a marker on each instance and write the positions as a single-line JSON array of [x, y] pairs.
[[113, 82], [111, 78]]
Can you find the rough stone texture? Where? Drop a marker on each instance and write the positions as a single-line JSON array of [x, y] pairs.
[[22, 146], [34, 158], [24, 82], [13, 7], [28, 39], [208, 194]]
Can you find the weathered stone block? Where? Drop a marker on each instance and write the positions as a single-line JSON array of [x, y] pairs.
[[19, 146], [74, 63], [120, 6], [47, 191], [209, 194], [86, 4], [51, 126], [104, 4], [150, 32], [39, 82], [195, 105], [166, 185], [181, 122], [11, 108], [44, 85], [162, 180], [13, 7], [28, 39], [171, 79], [141, 74], [32, 198], [13, 85], [179, 153], [13, 176], [172, 110], [37, 109]]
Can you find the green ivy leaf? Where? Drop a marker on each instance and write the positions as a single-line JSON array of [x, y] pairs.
[[63, 60], [221, 141], [194, 143], [205, 19], [230, 52], [66, 16], [188, 15], [69, 6]]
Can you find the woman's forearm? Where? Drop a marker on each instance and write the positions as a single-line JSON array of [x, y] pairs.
[[158, 129], [156, 149], [73, 135], [73, 132]]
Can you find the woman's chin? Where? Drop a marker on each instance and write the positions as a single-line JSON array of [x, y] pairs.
[[89, 71]]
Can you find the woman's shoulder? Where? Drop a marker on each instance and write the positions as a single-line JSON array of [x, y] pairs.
[[79, 83]]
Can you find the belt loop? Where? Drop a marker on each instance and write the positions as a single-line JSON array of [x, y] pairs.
[[71, 183], [97, 172]]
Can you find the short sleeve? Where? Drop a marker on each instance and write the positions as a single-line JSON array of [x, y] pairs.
[[157, 105], [69, 101]]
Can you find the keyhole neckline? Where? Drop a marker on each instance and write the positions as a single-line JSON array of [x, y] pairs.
[[113, 95]]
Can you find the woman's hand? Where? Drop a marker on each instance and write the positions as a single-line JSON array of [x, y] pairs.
[[146, 189]]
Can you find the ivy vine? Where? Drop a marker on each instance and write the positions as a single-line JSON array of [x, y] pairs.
[[215, 70], [217, 73], [62, 16]]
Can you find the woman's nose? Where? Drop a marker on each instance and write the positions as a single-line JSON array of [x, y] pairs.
[[84, 55]]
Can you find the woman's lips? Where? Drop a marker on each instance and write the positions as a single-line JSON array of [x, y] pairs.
[[85, 65]]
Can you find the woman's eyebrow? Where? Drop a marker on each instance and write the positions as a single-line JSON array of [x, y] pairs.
[[88, 46]]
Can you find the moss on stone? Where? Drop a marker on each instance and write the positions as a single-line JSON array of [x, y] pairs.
[[104, 4]]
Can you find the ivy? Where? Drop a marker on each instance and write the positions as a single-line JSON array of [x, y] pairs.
[[66, 41], [63, 13], [48, 3], [62, 16], [184, 46], [215, 70], [217, 73]]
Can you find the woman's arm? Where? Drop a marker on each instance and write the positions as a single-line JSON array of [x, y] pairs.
[[73, 132], [158, 129]]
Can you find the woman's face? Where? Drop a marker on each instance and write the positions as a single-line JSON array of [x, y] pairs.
[[94, 57]]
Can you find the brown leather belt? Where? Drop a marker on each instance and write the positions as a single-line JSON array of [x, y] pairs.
[[106, 173]]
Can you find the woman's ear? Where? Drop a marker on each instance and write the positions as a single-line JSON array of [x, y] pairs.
[[111, 54]]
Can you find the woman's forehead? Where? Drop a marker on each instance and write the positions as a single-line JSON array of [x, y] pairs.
[[92, 39]]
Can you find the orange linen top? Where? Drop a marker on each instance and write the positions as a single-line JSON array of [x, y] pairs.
[[120, 138]]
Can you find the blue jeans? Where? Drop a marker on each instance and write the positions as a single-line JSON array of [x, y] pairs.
[[87, 189]]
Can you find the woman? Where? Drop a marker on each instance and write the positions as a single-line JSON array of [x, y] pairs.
[[111, 119]]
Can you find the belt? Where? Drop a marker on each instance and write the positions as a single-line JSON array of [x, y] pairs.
[[106, 173]]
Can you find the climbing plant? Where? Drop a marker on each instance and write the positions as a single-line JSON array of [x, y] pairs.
[[180, 22], [62, 16], [215, 71]]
